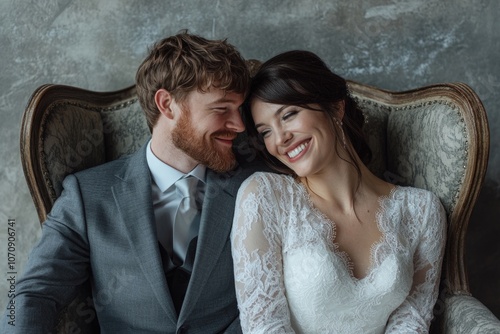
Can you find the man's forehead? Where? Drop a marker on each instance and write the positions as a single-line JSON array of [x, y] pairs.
[[217, 95]]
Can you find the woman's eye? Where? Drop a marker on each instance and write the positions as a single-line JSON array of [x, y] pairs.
[[289, 114], [220, 109], [264, 134]]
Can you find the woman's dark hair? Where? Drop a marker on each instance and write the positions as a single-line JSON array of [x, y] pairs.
[[301, 78]]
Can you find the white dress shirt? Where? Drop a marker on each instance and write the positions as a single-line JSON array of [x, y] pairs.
[[165, 199]]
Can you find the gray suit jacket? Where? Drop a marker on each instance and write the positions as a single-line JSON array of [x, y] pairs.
[[102, 229]]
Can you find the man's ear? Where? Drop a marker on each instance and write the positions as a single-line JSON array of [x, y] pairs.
[[164, 101]]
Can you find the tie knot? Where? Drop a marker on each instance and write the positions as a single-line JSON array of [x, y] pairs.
[[186, 187]]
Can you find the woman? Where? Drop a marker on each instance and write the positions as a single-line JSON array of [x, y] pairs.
[[326, 246]]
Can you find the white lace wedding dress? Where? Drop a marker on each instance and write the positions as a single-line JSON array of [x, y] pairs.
[[292, 278]]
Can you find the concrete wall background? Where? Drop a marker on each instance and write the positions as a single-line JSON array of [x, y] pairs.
[[392, 44]]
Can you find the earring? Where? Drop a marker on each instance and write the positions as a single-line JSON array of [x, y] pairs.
[[340, 125]]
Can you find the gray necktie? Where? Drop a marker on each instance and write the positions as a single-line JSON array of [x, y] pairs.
[[187, 216]]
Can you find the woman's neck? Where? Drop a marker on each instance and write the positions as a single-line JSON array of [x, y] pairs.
[[341, 186]]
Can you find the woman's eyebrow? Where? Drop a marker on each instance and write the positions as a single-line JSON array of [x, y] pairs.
[[276, 113]]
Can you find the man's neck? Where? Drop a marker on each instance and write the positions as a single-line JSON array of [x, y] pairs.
[[167, 152]]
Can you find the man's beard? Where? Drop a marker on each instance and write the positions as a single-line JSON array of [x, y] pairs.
[[205, 151]]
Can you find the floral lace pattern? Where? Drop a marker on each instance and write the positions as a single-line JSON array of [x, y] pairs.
[[291, 278]]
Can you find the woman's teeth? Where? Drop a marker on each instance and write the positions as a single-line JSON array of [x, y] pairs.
[[293, 153]]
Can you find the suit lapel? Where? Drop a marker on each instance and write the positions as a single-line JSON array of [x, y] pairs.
[[132, 194]]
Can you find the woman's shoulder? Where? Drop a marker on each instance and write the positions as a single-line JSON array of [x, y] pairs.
[[264, 183], [415, 194], [418, 200], [266, 178]]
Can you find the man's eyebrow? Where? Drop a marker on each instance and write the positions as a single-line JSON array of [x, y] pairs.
[[276, 113], [223, 100]]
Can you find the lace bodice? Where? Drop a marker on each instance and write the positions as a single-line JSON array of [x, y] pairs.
[[292, 278]]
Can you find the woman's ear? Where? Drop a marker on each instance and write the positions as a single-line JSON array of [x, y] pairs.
[[340, 110], [164, 101]]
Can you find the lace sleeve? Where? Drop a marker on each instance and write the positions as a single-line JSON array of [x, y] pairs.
[[257, 257], [415, 313]]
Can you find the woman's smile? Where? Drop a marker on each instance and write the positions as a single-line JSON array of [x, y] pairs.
[[299, 150]]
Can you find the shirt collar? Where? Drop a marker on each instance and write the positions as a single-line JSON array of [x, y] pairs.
[[165, 176]]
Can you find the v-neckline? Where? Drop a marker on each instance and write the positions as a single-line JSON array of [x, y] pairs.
[[343, 255]]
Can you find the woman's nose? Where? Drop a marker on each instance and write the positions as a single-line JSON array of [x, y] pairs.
[[283, 137]]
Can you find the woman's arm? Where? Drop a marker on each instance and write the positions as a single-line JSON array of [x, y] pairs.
[[257, 257], [415, 313]]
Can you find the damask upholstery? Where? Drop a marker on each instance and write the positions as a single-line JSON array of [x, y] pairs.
[[67, 129], [433, 137], [466, 315]]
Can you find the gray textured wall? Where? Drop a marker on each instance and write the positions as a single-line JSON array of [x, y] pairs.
[[393, 44]]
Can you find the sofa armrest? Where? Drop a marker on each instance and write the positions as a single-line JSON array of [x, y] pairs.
[[465, 314]]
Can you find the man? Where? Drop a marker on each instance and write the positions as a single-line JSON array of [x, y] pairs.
[[158, 261]]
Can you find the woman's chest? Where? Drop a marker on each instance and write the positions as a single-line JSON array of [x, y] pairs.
[[311, 254]]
